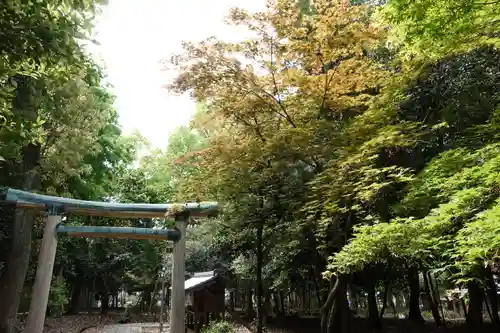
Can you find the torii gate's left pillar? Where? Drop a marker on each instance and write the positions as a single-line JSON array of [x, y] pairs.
[[177, 310], [45, 267]]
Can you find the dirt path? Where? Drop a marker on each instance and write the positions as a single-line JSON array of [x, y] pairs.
[[127, 328]]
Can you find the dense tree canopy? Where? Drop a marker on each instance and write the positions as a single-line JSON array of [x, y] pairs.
[[352, 146], [334, 152]]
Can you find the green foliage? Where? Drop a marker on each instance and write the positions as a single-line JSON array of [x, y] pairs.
[[48, 47], [58, 298], [456, 192], [53, 98], [436, 28], [351, 147], [125, 316], [219, 327], [477, 242]]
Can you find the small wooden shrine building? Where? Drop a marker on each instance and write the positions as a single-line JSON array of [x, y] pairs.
[[205, 299]]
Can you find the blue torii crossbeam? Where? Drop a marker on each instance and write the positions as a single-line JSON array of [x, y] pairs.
[[27, 200], [119, 232]]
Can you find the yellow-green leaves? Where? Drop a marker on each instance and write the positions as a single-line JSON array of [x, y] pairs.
[[435, 28], [273, 97]]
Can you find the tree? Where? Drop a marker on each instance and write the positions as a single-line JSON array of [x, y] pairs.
[[453, 182], [439, 28], [48, 54], [277, 104], [299, 143]]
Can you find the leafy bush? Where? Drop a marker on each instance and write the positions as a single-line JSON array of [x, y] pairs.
[[125, 317], [58, 298], [219, 327], [452, 315]]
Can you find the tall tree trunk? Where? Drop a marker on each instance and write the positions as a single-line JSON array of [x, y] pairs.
[[476, 297], [162, 303], [104, 305], [491, 290], [339, 316], [387, 287], [303, 296], [14, 271], [259, 289], [343, 304], [168, 297], [392, 304], [74, 302], [353, 296], [277, 306], [266, 308], [400, 301], [282, 302], [433, 283], [432, 302], [373, 314], [464, 308], [413, 283], [327, 307], [248, 306], [317, 288], [18, 257], [232, 299]]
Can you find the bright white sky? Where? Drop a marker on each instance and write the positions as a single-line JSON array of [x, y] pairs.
[[135, 36]]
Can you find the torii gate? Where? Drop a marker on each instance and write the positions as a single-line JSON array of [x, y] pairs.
[[56, 207]]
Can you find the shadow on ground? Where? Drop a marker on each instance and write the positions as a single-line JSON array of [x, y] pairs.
[[312, 325]]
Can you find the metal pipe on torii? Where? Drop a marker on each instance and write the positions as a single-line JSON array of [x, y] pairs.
[[56, 207], [40, 202]]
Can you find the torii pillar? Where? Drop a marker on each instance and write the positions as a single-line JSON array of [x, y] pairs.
[[177, 314], [41, 289]]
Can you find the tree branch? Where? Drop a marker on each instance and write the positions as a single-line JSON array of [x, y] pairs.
[[277, 91]]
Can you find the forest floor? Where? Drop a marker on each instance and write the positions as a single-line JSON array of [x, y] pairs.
[[84, 322], [77, 323], [91, 323], [361, 325]]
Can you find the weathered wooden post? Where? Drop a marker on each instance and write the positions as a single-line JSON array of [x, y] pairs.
[[41, 289], [177, 324]]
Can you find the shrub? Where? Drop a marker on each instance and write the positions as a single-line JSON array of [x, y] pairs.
[[58, 298], [125, 317], [219, 327]]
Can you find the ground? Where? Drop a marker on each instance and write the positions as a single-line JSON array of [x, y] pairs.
[[76, 323], [124, 328], [90, 323]]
